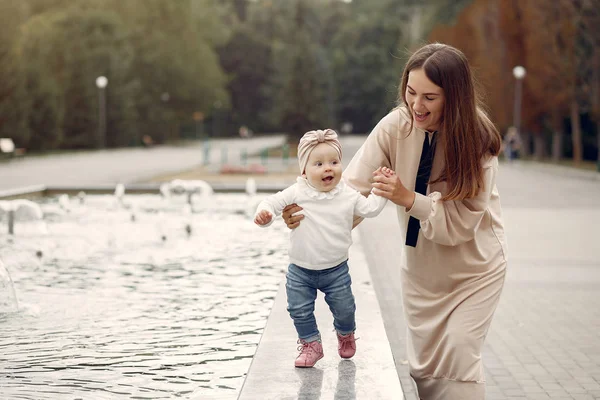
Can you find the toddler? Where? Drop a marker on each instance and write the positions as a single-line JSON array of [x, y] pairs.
[[319, 247]]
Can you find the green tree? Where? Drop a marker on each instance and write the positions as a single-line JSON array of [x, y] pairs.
[[179, 59], [44, 99], [369, 52], [12, 95], [299, 86], [246, 58], [157, 77], [66, 51]]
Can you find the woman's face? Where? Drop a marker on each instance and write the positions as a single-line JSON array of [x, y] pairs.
[[425, 99]]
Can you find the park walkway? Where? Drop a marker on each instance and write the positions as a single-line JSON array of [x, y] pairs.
[[130, 165]]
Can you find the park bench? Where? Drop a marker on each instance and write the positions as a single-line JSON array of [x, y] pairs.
[[9, 150]]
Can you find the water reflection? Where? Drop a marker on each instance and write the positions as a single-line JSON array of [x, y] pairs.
[[312, 381], [344, 389], [120, 313], [8, 296]]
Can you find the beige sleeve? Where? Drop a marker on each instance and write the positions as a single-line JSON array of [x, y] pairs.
[[454, 222], [378, 150]]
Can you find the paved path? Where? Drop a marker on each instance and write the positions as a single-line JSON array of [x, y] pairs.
[[118, 166]]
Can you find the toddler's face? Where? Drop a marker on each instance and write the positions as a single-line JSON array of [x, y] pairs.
[[324, 168]]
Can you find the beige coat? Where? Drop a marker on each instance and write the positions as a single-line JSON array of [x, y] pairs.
[[452, 279]]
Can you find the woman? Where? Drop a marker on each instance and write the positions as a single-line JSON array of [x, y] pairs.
[[444, 150]]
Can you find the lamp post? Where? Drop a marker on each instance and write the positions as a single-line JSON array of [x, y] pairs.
[[215, 121], [519, 73], [164, 98], [101, 83]]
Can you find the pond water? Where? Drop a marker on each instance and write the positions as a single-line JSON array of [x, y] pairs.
[[122, 302]]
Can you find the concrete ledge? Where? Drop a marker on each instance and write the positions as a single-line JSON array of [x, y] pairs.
[[370, 374], [137, 188], [27, 191], [140, 188]]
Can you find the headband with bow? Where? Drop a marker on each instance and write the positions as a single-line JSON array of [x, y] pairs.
[[311, 139]]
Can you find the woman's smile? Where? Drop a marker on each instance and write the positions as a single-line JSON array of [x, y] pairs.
[[421, 116]]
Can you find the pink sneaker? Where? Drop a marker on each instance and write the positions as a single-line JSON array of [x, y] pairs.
[[346, 345], [310, 353]]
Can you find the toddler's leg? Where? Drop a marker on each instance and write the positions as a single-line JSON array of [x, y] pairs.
[[338, 294], [336, 284], [301, 294]]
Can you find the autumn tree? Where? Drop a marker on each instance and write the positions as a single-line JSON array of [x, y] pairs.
[[553, 41], [589, 56]]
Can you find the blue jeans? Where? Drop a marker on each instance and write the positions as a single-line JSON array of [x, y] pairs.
[[301, 288]]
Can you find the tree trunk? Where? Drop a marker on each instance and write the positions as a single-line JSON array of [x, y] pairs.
[[539, 146], [596, 98], [598, 142], [557, 137], [576, 134], [557, 145], [525, 144]]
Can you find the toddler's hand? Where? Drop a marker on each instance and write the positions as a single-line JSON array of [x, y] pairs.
[[388, 172], [384, 171], [263, 217]]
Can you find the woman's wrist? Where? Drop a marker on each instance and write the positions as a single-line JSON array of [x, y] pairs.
[[409, 200]]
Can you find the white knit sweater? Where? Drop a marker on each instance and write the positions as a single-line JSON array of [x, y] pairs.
[[323, 238]]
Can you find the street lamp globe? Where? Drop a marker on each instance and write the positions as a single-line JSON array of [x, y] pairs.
[[101, 82], [519, 72]]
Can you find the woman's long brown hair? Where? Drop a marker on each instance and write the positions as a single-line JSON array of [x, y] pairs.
[[466, 133]]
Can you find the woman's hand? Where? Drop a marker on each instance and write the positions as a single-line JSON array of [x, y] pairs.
[[387, 184], [292, 222]]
